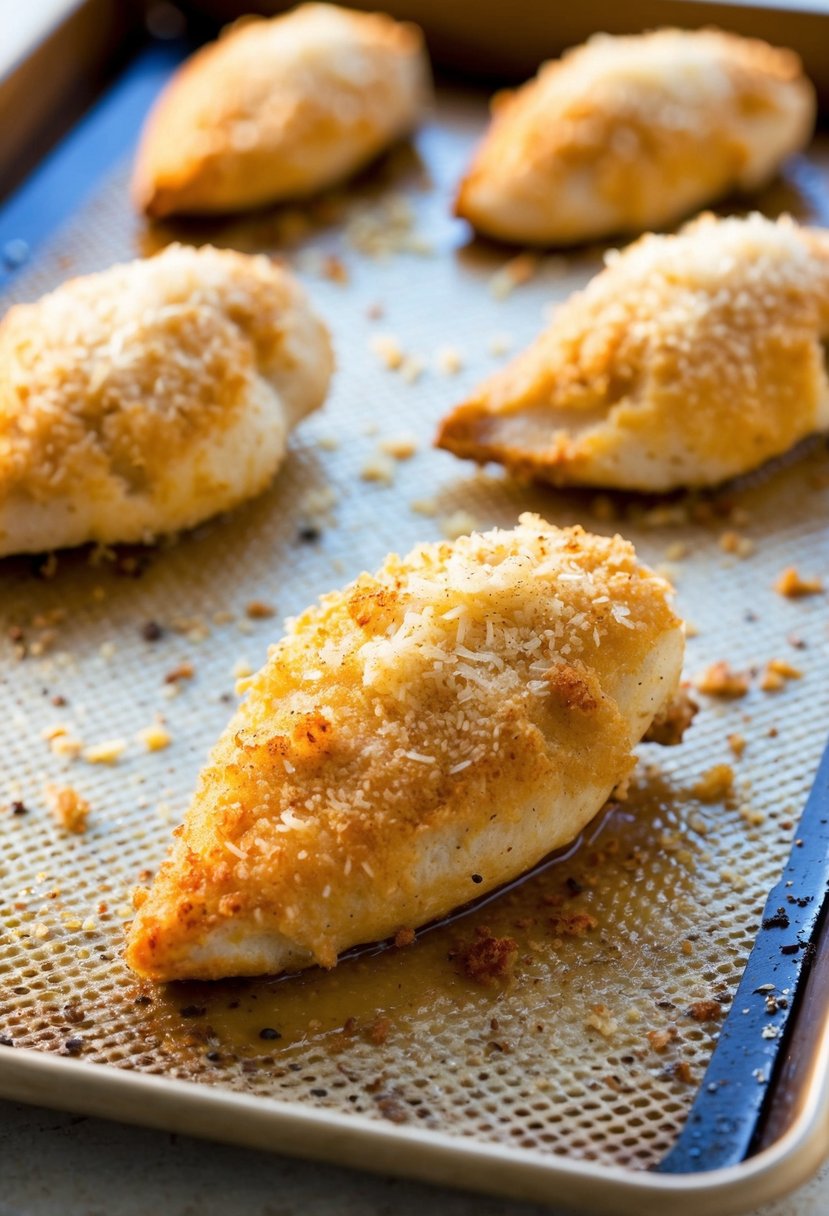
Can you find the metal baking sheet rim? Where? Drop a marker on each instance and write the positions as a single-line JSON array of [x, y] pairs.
[[355, 1141]]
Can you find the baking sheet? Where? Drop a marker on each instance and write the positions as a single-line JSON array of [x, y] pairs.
[[592, 1053]]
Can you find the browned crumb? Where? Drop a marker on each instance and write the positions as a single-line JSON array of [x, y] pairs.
[[62, 742], [714, 784], [378, 1031], [334, 268], [705, 1011], [388, 350], [404, 937], [154, 737], [258, 610], [108, 752], [739, 546], [400, 447], [70, 810], [600, 1018], [514, 273], [776, 673], [578, 925], [659, 1039], [138, 896], [719, 680], [737, 743], [488, 959], [379, 468], [184, 671], [682, 1072], [792, 586], [670, 725]]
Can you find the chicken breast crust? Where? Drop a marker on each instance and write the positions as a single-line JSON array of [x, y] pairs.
[[281, 109], [148, 397], [689, 360], [625, 134], [414, 741]]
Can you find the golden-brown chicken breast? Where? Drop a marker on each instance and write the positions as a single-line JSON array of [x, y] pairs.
[[145, 398], [415, 740], [281, 109], [630, 133], [688, 360]]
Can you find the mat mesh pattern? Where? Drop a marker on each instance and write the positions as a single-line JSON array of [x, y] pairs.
[[591, 1051]]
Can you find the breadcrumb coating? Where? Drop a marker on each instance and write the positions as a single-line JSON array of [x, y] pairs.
[[153, 394], [413, 741], [280, 109], [688, 360], [629, 133]]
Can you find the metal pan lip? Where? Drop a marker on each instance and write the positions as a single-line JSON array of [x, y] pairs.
[[185, 1106]]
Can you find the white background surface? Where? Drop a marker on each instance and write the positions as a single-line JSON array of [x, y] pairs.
[[55, 1164]]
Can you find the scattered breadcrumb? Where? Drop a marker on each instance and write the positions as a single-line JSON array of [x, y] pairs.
[[752, 817], [411, 369], [378, 467], [577, 925], [776, 673], [317, 262], [258, 610], [449, 360], [487, 959], [793, 586], [108, 752], [459, 523], [600, 1018], [660, 1039], [666, 515], [387, 349], [400, 447], [328, 443], [714, 784], [69, 809], [719, 680], [154, 737], [62, 743], [500, 344], [404, 937], [739, 546], [676, 551], [386, 228], [184, 671], [705, 1011], [512, 274], [424, 506], [241, 669], [737, 743]]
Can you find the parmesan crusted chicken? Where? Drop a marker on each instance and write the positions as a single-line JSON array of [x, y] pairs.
[[689, 360], [416, 740], [626, 134], [281, 109], [145, 398]]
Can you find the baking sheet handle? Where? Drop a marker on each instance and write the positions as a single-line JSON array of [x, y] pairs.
[[726, 1119]]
